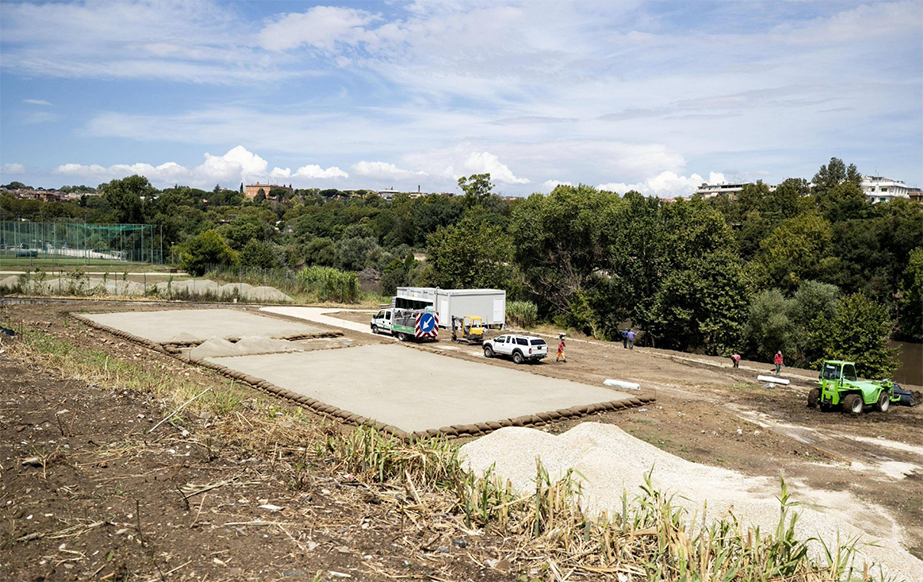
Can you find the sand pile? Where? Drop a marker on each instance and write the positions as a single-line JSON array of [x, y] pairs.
[[217, 347], [612, 461]]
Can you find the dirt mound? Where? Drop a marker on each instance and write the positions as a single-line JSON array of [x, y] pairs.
[[609, 462], [217, 347]]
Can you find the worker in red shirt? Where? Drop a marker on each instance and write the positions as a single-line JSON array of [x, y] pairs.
[[561, 357], [778, 361]]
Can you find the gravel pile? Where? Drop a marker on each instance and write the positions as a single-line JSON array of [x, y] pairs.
[[611, 462]]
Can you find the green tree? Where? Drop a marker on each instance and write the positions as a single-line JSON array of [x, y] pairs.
[[260, 196], [770, 327], [859, 332], [911, 297], [205, 250], [702, 306], [262, 255], [320, 251], [833, 174], [475, 186], [468, 254], [796, 250], [128, 197], [243, 229], [558, 243]]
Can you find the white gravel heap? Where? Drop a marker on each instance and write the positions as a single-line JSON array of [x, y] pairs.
[[610, 462]]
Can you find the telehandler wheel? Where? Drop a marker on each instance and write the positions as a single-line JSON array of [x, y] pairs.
[[852, 404], [884, 402], [813, 397], [488, 352]]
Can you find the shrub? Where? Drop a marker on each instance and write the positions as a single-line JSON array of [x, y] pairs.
[[205, 250], [521, 313], [330, 284]]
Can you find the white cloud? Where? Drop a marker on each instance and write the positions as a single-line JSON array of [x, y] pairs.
[[549, 185], [12, 169], [237, 165], [383, 171], [312, 171], [665, 184], [319, 27], [36, 102]]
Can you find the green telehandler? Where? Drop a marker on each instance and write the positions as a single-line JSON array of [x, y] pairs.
[[838, 385]]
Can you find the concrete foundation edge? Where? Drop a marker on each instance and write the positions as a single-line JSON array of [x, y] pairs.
[[454, 431]]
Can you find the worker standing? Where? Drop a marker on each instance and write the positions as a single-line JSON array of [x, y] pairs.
[[631, 340], [561, 357], [778, 361], [625, 338]]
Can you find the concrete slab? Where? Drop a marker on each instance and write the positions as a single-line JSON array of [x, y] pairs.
[[200, 324], [416, 390]]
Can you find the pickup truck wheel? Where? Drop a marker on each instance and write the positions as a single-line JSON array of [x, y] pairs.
[[852, 404], [517, 357], [488, 352], [813, 397], [884, 402]]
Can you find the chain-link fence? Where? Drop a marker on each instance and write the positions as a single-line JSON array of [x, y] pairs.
[[52, 244]]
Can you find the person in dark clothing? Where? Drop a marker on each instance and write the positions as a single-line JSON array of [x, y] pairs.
[[625, 338]]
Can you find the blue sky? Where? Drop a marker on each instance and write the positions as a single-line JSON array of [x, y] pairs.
[[655, 96]]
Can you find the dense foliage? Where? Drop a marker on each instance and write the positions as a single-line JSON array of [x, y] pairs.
[[811, 269]]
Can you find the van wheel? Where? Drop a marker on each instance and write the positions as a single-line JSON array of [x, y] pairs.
[[375, 329], [852, 404], [813, 397], [517, 357], [884, 402], [488, 352], [401, 337]]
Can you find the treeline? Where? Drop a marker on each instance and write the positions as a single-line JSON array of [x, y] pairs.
[[811, 269]]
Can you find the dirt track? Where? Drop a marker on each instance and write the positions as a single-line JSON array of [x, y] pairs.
[[705, 412]]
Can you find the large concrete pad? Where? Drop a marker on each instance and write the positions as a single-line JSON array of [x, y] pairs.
[[415, 390], [189, 325]]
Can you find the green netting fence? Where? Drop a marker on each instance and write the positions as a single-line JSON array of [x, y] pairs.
[[52, 244]]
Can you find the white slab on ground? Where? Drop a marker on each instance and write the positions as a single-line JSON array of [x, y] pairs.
[[416, 390], [200, 324], [320, 315]]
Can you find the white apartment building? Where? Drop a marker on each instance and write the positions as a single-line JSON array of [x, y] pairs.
[[880, 189], [731, 190]]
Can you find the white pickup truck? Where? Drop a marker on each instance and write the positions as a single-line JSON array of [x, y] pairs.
[[522, 348]]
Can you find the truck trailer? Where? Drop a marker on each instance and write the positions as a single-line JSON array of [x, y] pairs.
[[488, 304]]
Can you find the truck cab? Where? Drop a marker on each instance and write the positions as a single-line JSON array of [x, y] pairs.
[[381, 322]]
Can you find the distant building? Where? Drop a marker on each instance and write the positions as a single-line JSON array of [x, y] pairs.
[[916, 195], [731, 190], [880, 189], [251, 190]]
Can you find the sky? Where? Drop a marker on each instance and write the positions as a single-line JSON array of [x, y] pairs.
[[652, 96]]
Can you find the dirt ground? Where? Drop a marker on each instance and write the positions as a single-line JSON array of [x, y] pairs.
[[101, 498], [708, 412], [87, 493]]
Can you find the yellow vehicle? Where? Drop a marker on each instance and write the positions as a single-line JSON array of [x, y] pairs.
[[468, 329]]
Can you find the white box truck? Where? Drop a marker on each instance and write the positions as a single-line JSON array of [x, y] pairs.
[[488, 304]]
